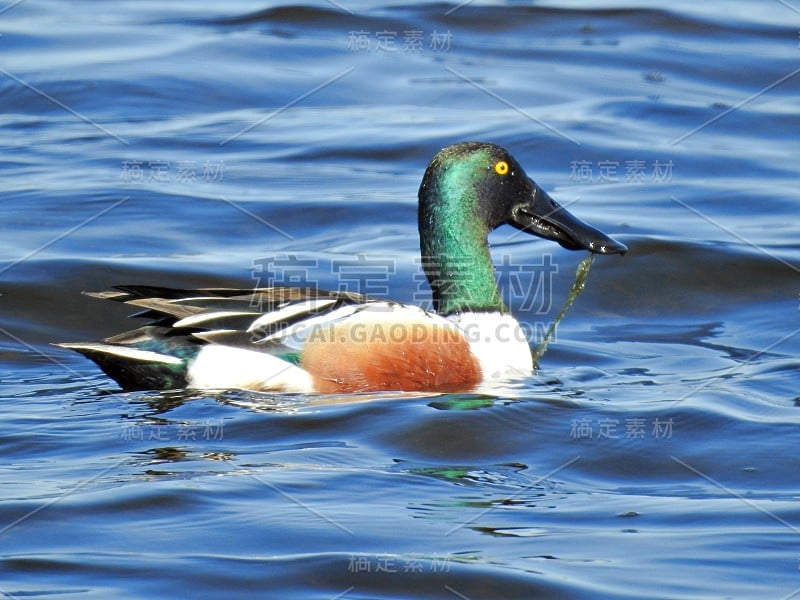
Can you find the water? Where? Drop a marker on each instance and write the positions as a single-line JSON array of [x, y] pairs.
[[185, 144]]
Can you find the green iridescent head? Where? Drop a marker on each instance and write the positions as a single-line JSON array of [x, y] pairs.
[[470, 189]]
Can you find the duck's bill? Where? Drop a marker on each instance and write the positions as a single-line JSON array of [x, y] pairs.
[[542, 216]]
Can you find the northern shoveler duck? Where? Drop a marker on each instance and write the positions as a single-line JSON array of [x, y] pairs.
[[308, 340]]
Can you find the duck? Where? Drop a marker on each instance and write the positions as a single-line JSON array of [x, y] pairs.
[[312, 341]]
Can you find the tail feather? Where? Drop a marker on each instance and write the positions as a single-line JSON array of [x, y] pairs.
[[132, 368], [163, 354], [144, 358]]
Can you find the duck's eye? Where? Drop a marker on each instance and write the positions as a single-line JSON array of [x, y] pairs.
[[501, 167]]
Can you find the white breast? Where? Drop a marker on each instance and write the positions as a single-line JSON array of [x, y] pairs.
[[499, 343]]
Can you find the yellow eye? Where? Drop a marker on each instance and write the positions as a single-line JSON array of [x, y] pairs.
[[501, 167]]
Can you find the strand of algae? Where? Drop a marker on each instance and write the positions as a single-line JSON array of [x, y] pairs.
[[581, 273]]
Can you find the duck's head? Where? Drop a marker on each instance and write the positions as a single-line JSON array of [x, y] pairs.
[[470, 189]]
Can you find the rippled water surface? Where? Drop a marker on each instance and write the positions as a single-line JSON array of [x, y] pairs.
[[654, 454]]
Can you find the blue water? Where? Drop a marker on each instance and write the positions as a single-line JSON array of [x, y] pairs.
[[654, 455]]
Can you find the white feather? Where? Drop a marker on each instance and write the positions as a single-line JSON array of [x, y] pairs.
[[225, 367], [371, 312], [299, 331], [126, 352], [287, 312], [194, 320], [498, 342]]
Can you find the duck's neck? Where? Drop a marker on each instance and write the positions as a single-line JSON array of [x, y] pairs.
[[456, 259]]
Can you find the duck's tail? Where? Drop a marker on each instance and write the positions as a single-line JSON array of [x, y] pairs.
[[141, 359]]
